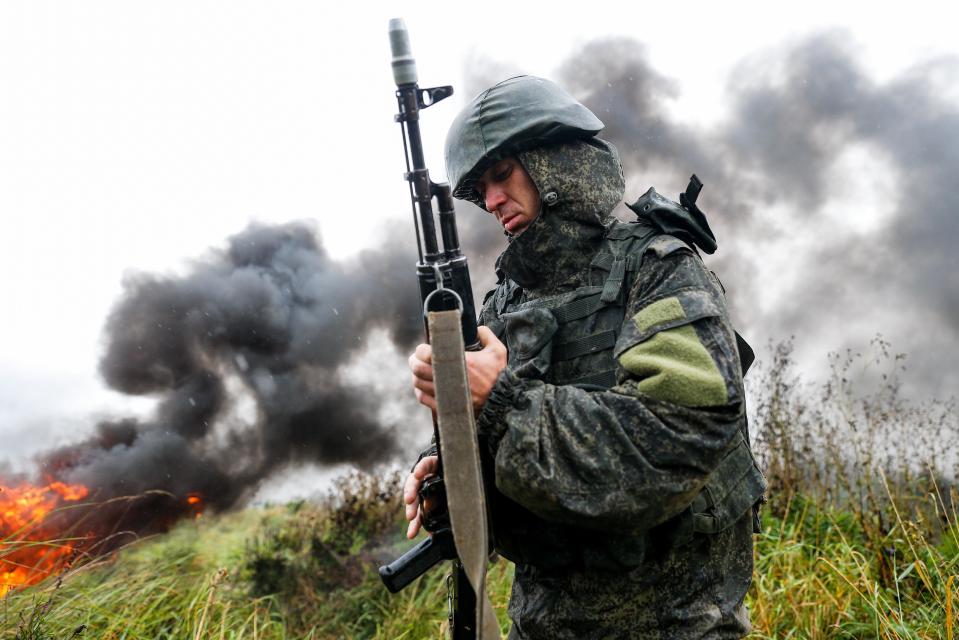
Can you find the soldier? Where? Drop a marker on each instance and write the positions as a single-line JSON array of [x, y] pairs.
[[608, 392]]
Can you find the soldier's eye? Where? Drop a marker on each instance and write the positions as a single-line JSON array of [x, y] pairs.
[[503, 174]]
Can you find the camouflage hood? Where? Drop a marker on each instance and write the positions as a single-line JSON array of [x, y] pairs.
[[579, 182]]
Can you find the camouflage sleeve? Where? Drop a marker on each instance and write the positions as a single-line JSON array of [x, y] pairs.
[[637, 454], [487, 313], [488, 316]]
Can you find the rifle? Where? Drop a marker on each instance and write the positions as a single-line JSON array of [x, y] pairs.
[[447, 297]]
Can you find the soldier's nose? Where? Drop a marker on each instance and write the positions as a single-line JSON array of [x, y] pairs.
[[494, 198]]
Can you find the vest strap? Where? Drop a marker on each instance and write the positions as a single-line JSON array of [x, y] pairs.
[[605, 261], [602, 380], [577, 309], [582, 346], [614, 283], [602, 261]]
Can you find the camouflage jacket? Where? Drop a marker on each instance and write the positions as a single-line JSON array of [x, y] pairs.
[[594, 483]]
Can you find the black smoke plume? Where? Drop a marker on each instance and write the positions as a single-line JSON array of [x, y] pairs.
[[272, 317]]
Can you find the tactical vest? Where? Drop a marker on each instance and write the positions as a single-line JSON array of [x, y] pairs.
[[570, 339]]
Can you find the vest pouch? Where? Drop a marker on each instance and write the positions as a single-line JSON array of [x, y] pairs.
[[734, 488], [529, 339]]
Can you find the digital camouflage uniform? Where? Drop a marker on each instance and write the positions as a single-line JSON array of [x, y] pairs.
[[621, 483]]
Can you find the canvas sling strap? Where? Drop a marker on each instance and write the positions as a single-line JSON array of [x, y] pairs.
[[459, 451]]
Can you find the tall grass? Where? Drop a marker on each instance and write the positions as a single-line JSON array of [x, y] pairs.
[[860, 539], [303, 570]]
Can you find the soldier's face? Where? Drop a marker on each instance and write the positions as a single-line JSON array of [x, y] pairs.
[[510, 195]]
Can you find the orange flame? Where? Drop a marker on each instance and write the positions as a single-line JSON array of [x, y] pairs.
[[28, 551], [195, 500]]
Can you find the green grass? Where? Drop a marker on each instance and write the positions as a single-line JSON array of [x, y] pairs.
[[866, 550], [283, 572], [294, 571], [818, 575]]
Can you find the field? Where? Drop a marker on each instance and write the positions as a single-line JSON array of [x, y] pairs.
[[860, 540]]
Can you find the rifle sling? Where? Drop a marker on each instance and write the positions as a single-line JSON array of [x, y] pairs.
[[461, 461]]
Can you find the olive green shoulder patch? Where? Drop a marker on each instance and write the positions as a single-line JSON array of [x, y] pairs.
[[685, 307], [662, 350], [674, 366], [660, 312]]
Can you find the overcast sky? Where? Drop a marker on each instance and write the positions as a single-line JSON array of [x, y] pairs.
[[137, 136]]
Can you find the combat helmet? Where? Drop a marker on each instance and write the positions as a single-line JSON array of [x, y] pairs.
[[514, 115]]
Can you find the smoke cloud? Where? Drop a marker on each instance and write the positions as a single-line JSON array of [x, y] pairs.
[[273, 318], [246, 352], [777, 169]]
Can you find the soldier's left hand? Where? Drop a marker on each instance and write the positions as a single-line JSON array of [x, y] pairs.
[[482, 367]]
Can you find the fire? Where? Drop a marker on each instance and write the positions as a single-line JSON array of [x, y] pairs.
[[195, 502], [30, 551]]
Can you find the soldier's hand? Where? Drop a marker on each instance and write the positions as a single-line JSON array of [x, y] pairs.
[[421, 364], [484, 366], [423, 469]]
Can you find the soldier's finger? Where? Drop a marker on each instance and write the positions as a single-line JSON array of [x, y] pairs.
[[424, 352], [412, 510], [426, 467], [426, 386], [422, 370], [484, 334], [413, 528], [410, 488], [425, 399], [489, 340]]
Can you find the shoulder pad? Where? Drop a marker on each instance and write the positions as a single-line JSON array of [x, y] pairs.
[[666, 244], [623, 230]]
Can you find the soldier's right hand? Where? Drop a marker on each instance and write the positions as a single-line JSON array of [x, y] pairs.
[[421, 364], [424, 468], [482, 368]]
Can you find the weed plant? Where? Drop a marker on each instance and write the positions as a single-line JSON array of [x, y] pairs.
[[860, 539], [860, 536]]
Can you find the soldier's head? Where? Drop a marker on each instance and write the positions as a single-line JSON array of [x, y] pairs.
[[498, 149], [509, 194]]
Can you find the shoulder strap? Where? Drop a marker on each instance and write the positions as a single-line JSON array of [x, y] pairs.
[[627, 243]]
